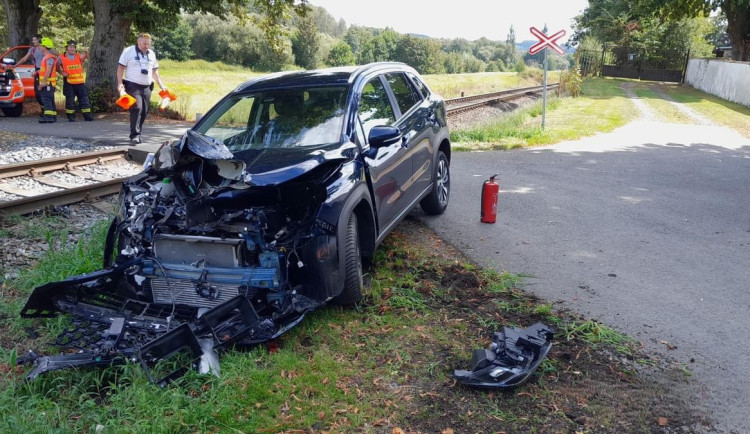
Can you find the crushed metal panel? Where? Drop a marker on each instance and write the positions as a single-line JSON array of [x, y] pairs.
[[513, 356]]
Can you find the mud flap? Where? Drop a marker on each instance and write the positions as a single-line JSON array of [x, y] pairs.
[[511, 359]]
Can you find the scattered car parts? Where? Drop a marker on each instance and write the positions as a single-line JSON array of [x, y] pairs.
[[512, 357]]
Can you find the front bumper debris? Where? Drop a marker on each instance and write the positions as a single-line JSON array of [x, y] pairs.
[[511, 359], [108, 328]]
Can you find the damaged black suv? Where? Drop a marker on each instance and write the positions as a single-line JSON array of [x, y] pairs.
[[263, 211]]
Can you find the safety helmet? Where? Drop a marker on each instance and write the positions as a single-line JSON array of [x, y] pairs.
[[71, 42], [47, 43]]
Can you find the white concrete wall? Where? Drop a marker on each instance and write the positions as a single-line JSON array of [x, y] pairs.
[[725, 79]]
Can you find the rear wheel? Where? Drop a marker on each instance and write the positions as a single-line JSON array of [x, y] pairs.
[[13, 112], [436, 202], [352, 292]]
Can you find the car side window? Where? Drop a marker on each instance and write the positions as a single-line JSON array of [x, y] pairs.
[[374, 107], [420, 85], [406, 96]]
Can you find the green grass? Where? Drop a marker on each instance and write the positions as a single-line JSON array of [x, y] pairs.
[[723, 112], [199, 84], [596, 334], [602, 107], [454, 85]]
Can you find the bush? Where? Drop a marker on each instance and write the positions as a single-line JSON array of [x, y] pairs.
[[103, 98]]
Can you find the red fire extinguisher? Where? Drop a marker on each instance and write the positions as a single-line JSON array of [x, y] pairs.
[[490, 189]]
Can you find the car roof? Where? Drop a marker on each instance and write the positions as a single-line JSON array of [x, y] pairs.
[[319, 77]]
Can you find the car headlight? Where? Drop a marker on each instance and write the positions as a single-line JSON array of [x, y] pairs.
[[18, 94]]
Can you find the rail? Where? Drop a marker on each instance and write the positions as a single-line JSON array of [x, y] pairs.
[[460, 105], [66, 196]]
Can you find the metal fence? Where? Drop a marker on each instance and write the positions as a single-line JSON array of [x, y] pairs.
[[627, 62]]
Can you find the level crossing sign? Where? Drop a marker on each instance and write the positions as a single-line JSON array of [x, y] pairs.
[[546, 41]]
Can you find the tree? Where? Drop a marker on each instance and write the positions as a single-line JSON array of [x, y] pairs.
[[626, 22], [340, 55], [423, 54], [306, 43], [174, 42], [737, 13], [22, 19]]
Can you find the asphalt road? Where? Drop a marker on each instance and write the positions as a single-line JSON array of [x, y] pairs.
[[646, 229]]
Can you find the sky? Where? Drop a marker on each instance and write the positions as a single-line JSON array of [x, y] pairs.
[[469, 19]]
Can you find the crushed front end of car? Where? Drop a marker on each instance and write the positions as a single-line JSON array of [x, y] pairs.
[[205, 255]]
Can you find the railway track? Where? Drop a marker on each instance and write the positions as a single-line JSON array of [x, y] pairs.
[[464, 104], [67, 194]]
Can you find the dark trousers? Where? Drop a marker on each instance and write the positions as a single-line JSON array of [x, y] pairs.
[[36, 91], [47, 95], [73, 91], [139, 110]]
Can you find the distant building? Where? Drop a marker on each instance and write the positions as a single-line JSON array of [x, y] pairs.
[[724, 51]]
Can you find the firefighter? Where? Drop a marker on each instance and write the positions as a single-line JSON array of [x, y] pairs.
[[74, 83], [47, 82]]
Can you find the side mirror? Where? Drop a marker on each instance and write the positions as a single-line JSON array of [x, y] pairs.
[[383, 136]]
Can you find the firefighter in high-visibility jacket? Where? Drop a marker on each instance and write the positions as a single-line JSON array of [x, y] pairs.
[[47, 82], [74, 83]]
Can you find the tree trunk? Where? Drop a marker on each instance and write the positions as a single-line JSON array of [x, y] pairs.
[[22, 18], [110, 30], [738, 28]]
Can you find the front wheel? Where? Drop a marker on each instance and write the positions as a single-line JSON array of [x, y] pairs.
[[13, 112], [352, 292], [437, 201]]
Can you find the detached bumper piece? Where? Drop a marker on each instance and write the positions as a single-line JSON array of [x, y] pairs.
[[167, 340], [511, 359]]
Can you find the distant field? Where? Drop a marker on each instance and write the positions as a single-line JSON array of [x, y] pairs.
[[200, 84]]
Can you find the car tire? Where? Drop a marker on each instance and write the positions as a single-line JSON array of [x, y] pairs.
[[352, 292], [437, 201], [13, 112]]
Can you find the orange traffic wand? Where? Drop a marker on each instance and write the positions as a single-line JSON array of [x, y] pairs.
[[167, 96], [125, 101]]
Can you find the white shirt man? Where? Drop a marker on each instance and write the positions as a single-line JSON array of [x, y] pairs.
[[137, 70]]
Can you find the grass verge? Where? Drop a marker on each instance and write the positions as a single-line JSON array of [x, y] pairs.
[[386, 364], [602, 107], [723, 112]]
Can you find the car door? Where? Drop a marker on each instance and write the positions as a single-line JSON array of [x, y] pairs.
[[413, 119], [390, 167]]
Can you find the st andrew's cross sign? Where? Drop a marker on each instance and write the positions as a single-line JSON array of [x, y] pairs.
[[545, 41]]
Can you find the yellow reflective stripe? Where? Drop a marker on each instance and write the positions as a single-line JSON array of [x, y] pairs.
[[69, 111], [88, 110], [50, 112]]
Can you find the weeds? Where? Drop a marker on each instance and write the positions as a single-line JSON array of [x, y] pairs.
[[595, 334]]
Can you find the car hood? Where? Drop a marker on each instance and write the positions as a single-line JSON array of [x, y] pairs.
[[258, 167]]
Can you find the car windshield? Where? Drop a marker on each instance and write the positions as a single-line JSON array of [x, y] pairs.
[[282, 118]]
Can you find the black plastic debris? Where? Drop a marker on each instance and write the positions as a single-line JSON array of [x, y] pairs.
[[511, 359]]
